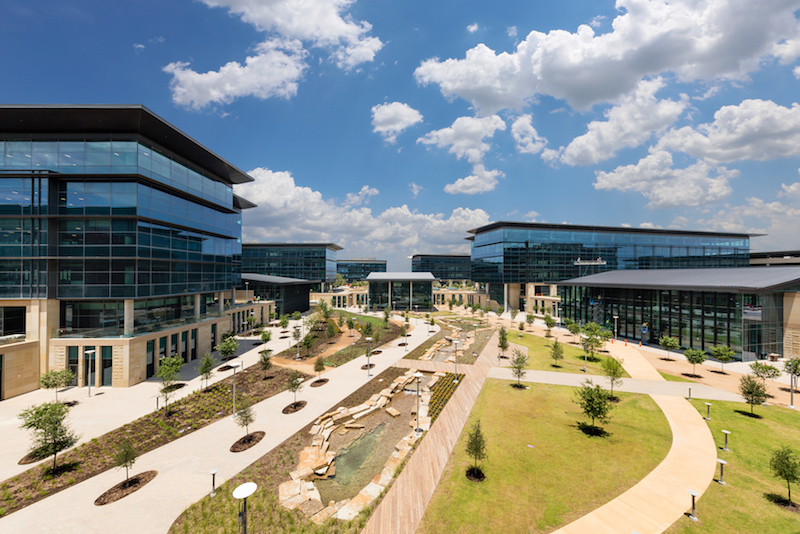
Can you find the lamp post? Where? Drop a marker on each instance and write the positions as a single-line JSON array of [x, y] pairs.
[[615, 326], [242, 493], [214, 482], [418, 376], [791, 383], [585, 339], [235, 365], [87, 354], [299, 336], [368, 340], [247, 290], [455, 344]]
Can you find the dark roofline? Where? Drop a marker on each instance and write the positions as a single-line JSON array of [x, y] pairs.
[[775, 255], [43, 121], [242, 203], [332, 246], [440, 255], [356, 260], [280, 280], [594, 228]]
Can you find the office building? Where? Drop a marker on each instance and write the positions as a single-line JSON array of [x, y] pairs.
[[443, 266], [121, 243], [305, 261], [401, 291], [357, 269]]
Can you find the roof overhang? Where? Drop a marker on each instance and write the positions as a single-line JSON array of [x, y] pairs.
[[279, 280], [592, 228], [401, 277]]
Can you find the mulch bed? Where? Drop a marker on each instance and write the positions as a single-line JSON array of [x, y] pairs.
[[374, 352], [295, 407], [125, 488], [225, 368], [475, 474], [248, 441], [31, 458], [401, 344], [318, 383], [370, 366]]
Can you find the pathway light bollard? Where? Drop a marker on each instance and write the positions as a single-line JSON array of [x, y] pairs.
[[418, 376], [708, 411], [368, 340], [693, 515], [721, 463], [727, 433], [690, 392], [242, 493], [214, 482]]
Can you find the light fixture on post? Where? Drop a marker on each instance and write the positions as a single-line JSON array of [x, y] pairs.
[[242, 493], [418, 376], [616, 332], [214, 482], [369, 341], [87, 354], [455, 344]]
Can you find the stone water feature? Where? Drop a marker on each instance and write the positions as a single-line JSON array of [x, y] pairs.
[[318, 462]]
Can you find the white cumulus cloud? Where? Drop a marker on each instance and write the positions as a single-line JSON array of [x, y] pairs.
[[466, 136], [482, 180], [390, 120], [665, 187], [694, 39], [526, 138], [472, 28], [362, 197]]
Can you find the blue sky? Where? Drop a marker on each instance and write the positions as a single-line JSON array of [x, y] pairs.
[[392, 127]]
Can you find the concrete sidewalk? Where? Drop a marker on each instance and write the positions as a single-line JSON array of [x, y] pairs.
[[184, 464]]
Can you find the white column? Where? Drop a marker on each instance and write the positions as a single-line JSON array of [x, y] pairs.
[[127, 329], [197, 306]]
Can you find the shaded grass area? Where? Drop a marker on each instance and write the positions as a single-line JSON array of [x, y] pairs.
[[265, 515], [146, 434], [566, 473], [539, 355], [745, 503]]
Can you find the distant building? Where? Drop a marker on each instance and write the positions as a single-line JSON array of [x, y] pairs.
[[791, 257], [306, 261], [289, 294], [401, 291], [443, 266], [357, 269]]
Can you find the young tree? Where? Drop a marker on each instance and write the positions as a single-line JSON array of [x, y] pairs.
[[264, 361], [351, 324], [573, 327], [367, 330], [251, 322], [785, 465], [295, 384], [340, 281], [330, 330], [266, 335], [792, 368], [51, 434], [206, 367], [503, 339], [341, 320], [297, 315], [169, 371], [529, 318], [549, 323], [476, 446], [753, 391], [594, 401], [668, 343], [284, 321], [386, 314], [556, 352], [319, 366], [723, 353], [594, 338], [245, 415], [513, 314], [613, 370], [450, 303], [403, 332], [228, 347], [125, 456], [518, 362], [521, 327], [765, 371], [56, 380], [695, 356]]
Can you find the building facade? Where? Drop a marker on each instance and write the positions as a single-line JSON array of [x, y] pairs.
[[401, 291], [288, 294], [443, 266], [116, 229], [305, 261], [357, 269], [755, 310], [520, 260]]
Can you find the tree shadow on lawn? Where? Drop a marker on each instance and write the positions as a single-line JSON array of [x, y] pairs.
[[592, 430], [718, 372], [556, 366], [748, 414], [665, 359], [783, 502]]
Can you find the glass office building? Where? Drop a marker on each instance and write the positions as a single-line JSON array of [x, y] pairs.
[[401, 291], [357, 269], [307, 261], [119, 221], [539, 253], [443, 266], [742, 308]]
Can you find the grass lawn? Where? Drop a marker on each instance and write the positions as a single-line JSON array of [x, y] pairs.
[[539, 355], [564, 476], [674, 378], [745, 503]]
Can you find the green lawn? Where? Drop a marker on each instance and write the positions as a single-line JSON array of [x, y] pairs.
[[539, 355], [743, 504], [673, 378], [564, 476]]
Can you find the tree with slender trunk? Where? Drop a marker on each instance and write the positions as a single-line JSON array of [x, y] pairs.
[[476, 449], [51, 434], [56, 380], [574, 329], [792, 368], [245, 415], [206, 367], [529, 318], [297, 315], [284, 321], [125, 456], [549, 323], [228, 347], [351, 324], [723, 354], [669, 343], [765, 371], [319, 366], [266, 335], [556, 352], [330, 330], [785, 465], [595, 402], [503, 339], [265, 361], [519, 361], [294, 385], [752, 390], [695, 357], [613, 370]]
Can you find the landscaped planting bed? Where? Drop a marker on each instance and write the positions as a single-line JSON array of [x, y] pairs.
[[146, 433], [265, 514], [482, 338], [417, 353], [352, 352], [441, 392]]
